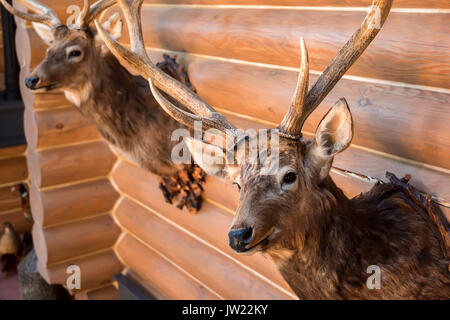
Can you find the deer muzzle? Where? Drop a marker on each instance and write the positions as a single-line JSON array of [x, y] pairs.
[[239, 239]]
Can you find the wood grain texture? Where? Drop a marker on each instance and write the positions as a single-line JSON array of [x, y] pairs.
[[74, 202], [62, 126], [50, 100], [13, 170], [74, 239], [69, 163], [108, 292], [96, 270], [411, 48], [409, 123], [14, 151], [370, 164], [229, 279], [166, 278], [9, 199]]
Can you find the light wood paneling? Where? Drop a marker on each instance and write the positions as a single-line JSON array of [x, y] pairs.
[[96, 270], [168, 279], [62, 165], [411, 48], [409, 123], [74, 202], [74, 239], [229, 280], [61, 126]]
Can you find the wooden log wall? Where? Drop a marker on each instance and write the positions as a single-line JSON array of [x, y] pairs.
[[242, 57], [13, 170], [71, 194]]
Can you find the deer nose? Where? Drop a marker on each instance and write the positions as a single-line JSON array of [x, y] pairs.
[[31, 82], [240, 238]]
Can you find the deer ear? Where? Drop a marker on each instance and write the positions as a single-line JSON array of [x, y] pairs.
[[211, 158], [333, 135], [113, 26], [44, 32]]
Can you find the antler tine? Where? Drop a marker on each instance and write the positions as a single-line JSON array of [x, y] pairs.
[[88, 14], [187, 118], [352, 50], [137, 59], [43, 13], [289, 126], [81, 19]]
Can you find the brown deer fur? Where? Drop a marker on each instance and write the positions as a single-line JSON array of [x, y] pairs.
[[323, 242], [118, 103]]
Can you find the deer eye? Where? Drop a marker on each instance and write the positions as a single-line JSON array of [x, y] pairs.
[[238, 185], [74, 54], [289, 178]]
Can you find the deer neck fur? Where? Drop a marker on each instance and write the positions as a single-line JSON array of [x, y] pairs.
[[121, 106], [318, 247]]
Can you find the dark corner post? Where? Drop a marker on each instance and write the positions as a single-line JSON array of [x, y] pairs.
[[12, 68]]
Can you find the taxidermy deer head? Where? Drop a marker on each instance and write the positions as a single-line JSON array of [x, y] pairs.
[[73, 50], [322, 242]]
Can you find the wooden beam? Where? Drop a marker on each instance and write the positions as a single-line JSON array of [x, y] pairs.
[[171, 281], [97, 270], [74, 202], [74, 239], [69, 163]]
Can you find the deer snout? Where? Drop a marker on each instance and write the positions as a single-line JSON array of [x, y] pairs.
[[32, 82], [238, 239]]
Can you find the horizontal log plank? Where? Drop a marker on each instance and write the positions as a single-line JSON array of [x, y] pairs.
[[74, 239], [166, 278], [108, 292], [70, 163], [13, 170], [96, 270], [9, 199], [409, 123], [411, 48], [14, 151], [62, 126], [50, 100], [77, 201], [229, 279]]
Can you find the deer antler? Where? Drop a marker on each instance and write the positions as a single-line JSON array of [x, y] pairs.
[[43, 14], [89, 13], [303, 104], [138, 59]]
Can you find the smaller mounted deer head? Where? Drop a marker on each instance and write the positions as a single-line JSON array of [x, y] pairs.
[[73, 51]]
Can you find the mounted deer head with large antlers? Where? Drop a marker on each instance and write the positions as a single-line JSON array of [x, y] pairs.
[[119, 104], [321, 241]]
